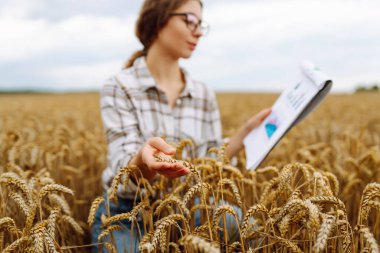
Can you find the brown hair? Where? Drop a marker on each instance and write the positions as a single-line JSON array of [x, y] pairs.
[[153, 17]]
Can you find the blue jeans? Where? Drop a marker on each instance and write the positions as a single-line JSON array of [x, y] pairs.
[[230, 222], [128, 239]]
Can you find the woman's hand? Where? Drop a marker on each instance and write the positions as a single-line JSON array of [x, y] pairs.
[[150, 166], [236, 141], [256, 120]]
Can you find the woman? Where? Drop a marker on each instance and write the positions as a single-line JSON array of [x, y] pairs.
[[154, 97]]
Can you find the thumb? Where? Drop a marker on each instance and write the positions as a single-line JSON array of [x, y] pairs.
[[161, 145], [263, 114]]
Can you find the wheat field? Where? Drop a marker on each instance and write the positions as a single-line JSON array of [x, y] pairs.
[[317, 191]]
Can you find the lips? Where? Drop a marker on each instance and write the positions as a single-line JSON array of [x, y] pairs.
[[192, 45]]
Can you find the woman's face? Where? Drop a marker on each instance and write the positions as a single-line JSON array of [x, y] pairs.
[[176, 38]]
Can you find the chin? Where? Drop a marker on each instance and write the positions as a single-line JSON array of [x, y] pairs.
[[186, 55]]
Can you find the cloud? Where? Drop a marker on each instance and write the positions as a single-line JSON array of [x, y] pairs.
[[23, 39], [253, 45], [262, 42]]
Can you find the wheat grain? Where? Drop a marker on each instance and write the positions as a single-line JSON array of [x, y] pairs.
[[131, 216], [110, 247], [51, 226], [251, 211], [53, 188], [235, 172], [123, 172], [324, 232], [145, 244], [198, 244], [38, 236], [313, 222], [181, 146], [109, 230], [16, 244], [161, 227], [290, 245], [174, 246], [199, 187], [371, 191], [333, 180], [234, 188], [174, 200], [329, 200], [61, 202], [73, 223], [373, 245], [220, 211], [94, 207], [9, 224]]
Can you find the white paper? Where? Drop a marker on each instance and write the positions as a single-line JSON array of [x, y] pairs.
[[289, 109]]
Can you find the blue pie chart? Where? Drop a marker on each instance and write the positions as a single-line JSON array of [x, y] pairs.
[[270, 128]]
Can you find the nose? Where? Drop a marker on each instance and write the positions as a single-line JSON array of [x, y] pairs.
[[198, 32]]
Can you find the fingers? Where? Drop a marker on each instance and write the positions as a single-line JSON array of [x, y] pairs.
[[156, 146], [263, 114], [161, 145], [173, 174], [256, 120], [170, 169]]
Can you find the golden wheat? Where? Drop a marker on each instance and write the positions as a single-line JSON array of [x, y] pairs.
[[328, 166]]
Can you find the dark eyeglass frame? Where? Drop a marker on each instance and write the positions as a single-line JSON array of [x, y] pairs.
[[192, 26]]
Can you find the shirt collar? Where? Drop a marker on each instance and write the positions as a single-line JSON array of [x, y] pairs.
[[147, 82]]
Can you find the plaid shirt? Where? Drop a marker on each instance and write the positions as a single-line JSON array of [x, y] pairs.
[[134, 108]]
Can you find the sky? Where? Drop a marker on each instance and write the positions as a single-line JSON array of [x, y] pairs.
[[253, 45]]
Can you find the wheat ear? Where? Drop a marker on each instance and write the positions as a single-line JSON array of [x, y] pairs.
[[9, 224], [198, 244], [373, 245], [371, 191], [161, 228], [324, 232], [61, 202], [175, 200], [16, 244], [73, 223], [220, 211], [234, 188], [53, 188], [251, 211], [109, 230], [199, 187], [126, 172], [94, 207], [131, 216]]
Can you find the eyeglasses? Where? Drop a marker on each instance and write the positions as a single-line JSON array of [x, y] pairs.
[[193, 22]]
